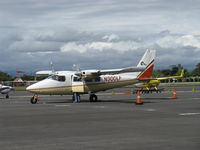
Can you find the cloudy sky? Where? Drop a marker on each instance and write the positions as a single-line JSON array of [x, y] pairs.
[[97, 33]]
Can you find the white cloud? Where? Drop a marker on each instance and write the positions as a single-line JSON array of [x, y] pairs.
[[111, 37], [189, 40], [33, 46], [99, 45], [82, 48], [179, 41], [122, 29], [166, 42], [120, 46]]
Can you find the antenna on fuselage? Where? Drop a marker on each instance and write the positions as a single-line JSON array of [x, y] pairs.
[[76, 68], [52, 66]]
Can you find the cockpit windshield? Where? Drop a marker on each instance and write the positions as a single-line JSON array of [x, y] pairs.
[[60, 78]]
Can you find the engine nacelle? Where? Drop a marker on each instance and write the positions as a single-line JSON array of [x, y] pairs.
[[90, 73]]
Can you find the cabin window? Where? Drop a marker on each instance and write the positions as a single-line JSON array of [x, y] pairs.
[[97, 79], [76, 79], [52, 77], [61, 78], [58, 78], [88, 80]]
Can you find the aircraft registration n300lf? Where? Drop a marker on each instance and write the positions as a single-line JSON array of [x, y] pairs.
[[92, 81]]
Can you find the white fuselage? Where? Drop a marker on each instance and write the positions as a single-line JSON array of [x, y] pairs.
[[67, 82], [91, 81]]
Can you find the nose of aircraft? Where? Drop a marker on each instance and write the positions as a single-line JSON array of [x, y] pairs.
[[36, 86], [39, 86], [12, 88], [29, 88]]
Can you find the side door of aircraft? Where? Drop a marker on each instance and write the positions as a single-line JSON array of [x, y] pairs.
[[77, 84]]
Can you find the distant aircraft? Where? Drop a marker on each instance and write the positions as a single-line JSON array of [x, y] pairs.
[[5, 90], [92, 81], [154, 83]]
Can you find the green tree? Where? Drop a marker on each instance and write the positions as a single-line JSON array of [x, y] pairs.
[[27, 77], [157, 73], [174, 71], [196, 71], [166, 72], [5, 77]]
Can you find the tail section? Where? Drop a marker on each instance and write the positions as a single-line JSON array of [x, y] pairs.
[[148, 62], [182, 74], [173, 77]]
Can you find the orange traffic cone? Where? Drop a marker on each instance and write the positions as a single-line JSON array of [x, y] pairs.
[[174, 94], [139, 100]]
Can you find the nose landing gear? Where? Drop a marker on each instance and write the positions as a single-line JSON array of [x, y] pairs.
[[34, 99], [7, 96]]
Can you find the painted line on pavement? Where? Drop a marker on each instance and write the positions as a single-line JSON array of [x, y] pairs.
[[99, 106], [62, 105], [188, 114], [150, 109]]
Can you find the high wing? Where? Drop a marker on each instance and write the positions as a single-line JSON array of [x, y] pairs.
[[146, 63], [123, 70], [144, 68], [95, 73], [44, 73]]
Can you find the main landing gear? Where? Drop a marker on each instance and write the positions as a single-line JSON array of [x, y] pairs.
[[34, 99], [76, 97], [93, 98]]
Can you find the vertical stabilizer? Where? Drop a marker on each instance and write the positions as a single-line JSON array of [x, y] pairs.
[[148, 62]]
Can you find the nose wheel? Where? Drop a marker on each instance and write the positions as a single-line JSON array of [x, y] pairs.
[[34, 99], [93, 98], [7, 96]]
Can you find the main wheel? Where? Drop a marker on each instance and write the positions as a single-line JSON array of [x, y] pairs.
[[7, 96], [34, 100], [93, 98]]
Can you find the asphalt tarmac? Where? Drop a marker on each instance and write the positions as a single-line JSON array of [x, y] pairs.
[[113, 123]]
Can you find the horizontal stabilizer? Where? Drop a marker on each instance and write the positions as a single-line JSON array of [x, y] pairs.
[[44, 73]]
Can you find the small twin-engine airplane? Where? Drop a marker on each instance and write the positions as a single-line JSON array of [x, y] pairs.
[[152, 85], [92, 81], [5, 90]]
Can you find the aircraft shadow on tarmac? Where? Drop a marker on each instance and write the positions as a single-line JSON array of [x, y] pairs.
[[144, 100]]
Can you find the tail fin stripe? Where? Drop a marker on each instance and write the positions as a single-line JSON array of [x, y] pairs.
[[147, 73]]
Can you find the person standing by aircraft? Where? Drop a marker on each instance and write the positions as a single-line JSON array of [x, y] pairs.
[[76, 97]]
